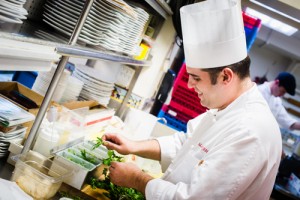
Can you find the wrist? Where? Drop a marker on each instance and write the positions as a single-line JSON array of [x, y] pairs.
[[141, 180]]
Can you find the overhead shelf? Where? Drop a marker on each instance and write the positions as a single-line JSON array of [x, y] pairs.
[[161, 7], [25, 54], [20, 53], [82, 52]]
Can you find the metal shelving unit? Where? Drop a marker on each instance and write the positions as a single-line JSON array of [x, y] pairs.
[[65, 51]]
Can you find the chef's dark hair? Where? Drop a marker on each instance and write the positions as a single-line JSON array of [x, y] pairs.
[[242, 69]]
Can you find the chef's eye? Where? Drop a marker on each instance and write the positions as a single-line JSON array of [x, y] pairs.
[[196, 78]]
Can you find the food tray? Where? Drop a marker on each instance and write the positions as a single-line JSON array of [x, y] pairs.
[[83, 159]]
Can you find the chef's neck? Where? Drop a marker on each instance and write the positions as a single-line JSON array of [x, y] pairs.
[[236, 90]]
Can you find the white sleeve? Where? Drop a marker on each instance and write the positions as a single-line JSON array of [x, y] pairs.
[[282, 116], [169, 146]]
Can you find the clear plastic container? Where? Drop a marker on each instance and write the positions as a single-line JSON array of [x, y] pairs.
[[38, 176]]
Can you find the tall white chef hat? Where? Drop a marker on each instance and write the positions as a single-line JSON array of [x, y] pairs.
[[213, 33]]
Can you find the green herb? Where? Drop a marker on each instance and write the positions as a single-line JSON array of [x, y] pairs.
[[115, 192], [85, 155], [88, 157], [99, 142], [83, 164], [112, 157]]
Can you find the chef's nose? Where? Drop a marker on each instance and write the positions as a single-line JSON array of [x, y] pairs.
[[191, 83]]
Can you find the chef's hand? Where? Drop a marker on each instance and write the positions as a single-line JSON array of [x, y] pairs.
[[128, 175], [119, 143]]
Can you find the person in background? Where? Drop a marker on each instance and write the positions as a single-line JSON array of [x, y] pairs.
[[273, 91], [233, 150]]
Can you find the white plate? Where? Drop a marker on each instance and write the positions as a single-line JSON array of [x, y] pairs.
[[67, 9], [21, 11], [20, 3], [86, 40], [10, 20], [51, 37], [72, 5], [9, 4], [91, 81], [70, 19], [61, 9], [58, 28], [96, 74], [59, 23], [17, 131], [10, 14]]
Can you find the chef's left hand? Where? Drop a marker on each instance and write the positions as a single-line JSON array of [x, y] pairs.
[[128, 175]]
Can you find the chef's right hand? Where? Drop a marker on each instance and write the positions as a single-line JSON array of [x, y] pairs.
[[117, 142]]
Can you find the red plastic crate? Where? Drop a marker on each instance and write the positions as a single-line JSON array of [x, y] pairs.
[[250, 21], [177, 114], [183, 99], [187, 109]]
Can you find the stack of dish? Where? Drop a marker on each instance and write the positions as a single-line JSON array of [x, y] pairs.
[[97, 86], [72, 90], [109, 24], [11, 136], [54, 37], [43, 80], [12, 11]]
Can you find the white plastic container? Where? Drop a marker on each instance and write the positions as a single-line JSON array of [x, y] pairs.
[[38, 176], [82, 168], [47, 139]]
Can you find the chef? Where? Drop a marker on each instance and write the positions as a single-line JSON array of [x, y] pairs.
[[230, 152], [273, 91]]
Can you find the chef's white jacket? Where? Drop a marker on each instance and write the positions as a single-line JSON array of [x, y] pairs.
[[275, 103], [225, 155]]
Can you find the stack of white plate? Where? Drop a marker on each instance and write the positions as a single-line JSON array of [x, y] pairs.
[[107, 25], [7, 138], [43, 80], [97, 86], [54, 37], [12, 11], [72, 90]]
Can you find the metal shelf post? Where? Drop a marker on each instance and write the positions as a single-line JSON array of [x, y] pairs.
[[33, 134]]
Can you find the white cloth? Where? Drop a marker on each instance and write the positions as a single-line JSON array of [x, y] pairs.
[[275, 103], [226, 155], [11, 191]]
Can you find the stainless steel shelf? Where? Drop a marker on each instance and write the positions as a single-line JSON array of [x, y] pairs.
[[161, 7], [34, 45], [82, 52]]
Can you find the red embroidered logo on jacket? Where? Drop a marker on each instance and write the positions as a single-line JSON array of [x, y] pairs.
[[203, 147]]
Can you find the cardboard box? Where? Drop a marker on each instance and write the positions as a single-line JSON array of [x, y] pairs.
[[37, 98], [80, 104]]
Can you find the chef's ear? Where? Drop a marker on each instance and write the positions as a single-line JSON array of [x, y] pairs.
[[227, 74]]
